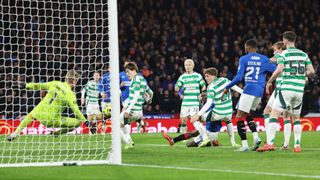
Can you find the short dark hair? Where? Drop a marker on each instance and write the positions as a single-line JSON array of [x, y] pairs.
[[252, 43], [131, 66], [290, 36], [211, 71]]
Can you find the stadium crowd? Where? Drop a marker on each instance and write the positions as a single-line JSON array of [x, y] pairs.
[[157, 35]]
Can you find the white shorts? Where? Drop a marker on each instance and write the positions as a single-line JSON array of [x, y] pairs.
[[248, 102], [136, 115], [271, 99], [188, 111], [288, 100], [93, 109], [216, 117]]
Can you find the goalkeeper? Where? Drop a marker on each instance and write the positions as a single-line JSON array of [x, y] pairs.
[[48, 111]]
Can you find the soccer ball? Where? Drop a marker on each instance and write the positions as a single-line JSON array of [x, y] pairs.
[[215, 143]]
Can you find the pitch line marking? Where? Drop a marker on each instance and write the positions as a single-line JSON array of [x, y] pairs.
[[224, 171], [183, 145]]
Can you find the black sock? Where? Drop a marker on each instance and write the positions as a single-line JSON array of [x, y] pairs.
[[251, 124], [185, 136], [241, 130], [181, 137]]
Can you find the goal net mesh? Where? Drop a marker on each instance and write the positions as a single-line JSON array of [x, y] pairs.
[[40, 41]]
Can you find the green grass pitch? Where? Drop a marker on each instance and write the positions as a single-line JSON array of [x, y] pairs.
[[153, 158]]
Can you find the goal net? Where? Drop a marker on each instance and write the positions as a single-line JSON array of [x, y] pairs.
[[40, 41]]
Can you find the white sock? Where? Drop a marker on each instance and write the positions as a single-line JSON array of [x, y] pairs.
[[127, 133], [255, 136], [297, 129], [287, 132], [272, 129], [123, 136], [183, 129], [245, 143], [266, 124], [202, 131], [142, 122], [230, 132]]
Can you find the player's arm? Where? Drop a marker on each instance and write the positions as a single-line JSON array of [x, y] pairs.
[[178, 85], [209, 105], [39, 86], [122, 82], [83, 94], [74, 107], [101, 87], [150, 93], [239, 74], [237, 89], [310, 70], [278, 71], [202, 84]]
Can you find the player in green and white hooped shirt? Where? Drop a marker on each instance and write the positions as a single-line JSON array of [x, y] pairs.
[[278, 47], [222, 110], [190, 82], [49, 111], [294, 65], [90, 97], [133, 111]]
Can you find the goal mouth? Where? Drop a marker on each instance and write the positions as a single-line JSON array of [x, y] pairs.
[[52, 51]]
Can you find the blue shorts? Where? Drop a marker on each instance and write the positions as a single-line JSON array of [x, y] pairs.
[[213, 126]]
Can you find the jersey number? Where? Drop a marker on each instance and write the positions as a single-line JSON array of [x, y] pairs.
[[250, 70], [297, 68]]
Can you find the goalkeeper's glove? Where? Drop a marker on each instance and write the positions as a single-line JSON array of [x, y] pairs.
[[87, 123], [91, 126]]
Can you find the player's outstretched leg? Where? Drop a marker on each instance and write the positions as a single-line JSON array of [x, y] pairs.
[[168, 138], [24, 123], [67, 125], [181, 137]]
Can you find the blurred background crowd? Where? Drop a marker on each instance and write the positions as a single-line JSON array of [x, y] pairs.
[[39, 41]]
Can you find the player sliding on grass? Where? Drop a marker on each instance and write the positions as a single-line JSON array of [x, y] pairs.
[[48, 111], [220, 107], [254, 68], [295, 66], [138, 94], [278, 47]]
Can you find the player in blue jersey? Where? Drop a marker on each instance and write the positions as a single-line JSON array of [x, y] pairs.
[[124, 83], [253, 67], [104, 90]]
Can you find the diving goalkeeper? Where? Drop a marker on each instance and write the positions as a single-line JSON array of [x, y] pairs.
[[49, 110]]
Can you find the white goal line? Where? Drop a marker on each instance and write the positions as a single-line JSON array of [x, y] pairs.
[[224, 171]]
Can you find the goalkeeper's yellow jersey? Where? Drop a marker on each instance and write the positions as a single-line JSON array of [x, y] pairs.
[[59, 96]]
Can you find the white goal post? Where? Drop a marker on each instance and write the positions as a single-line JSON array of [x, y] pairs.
[[40, 40]]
